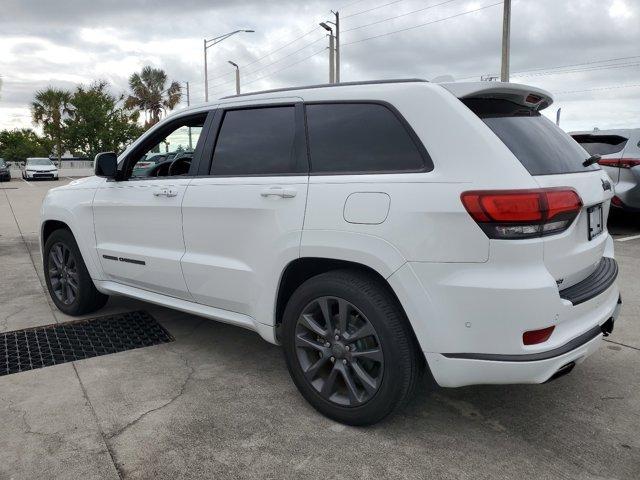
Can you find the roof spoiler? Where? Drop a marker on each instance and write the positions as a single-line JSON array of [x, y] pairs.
[[528, 96]]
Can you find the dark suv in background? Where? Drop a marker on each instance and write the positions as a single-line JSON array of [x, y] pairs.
[[5, 174]]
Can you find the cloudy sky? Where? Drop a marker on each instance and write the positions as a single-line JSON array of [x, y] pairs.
[[586, 52]]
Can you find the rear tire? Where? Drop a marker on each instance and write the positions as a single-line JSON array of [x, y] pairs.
[[375, 372], [68, 280]]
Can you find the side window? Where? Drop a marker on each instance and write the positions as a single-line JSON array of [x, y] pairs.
[[256, 141], [358, 138], [169, 151]]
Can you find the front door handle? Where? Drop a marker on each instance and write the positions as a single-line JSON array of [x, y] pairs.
[[279, 192], [165, 192]]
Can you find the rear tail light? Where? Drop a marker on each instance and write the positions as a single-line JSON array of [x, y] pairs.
[[518, 214], [533, 337], [617, 202], [620, 162]]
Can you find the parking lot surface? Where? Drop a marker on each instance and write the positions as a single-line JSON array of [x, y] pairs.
[[218, 402]]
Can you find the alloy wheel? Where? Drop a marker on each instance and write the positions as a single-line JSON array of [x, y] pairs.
[[63, 273], [339, 351]]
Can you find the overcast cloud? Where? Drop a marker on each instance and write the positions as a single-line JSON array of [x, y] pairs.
[[67, 42]]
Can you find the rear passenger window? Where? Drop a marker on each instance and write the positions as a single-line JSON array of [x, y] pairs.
[[360, 137], [258, 141]]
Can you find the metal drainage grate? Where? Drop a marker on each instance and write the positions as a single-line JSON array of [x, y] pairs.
[[39, 347]]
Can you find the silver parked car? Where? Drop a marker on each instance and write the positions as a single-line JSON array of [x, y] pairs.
[[620, 152]]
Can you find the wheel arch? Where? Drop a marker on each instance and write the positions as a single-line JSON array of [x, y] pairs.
[[302, 269], [50, 226]]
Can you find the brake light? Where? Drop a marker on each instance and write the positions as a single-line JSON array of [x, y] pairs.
[[533, 337], [518, 214], [620, 162]]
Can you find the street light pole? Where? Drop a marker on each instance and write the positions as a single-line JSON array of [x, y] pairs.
[[210, 43], [331, 52], [189, 104], [506, 41], [237, 76], [337, 24]]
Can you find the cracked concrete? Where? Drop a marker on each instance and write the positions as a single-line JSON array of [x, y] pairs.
[[218, 403]]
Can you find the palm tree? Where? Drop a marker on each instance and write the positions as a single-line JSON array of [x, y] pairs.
[[48, 109], [150, 95]]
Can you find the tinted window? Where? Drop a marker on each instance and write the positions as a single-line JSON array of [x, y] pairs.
[[177, 139], [601, 144], [258, 141], [359, 137], [541, 146]]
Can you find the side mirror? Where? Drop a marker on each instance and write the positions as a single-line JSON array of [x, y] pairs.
[[106, 164]]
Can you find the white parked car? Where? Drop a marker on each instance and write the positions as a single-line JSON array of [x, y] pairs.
[[39, 168], [620, 157], [375, 230]]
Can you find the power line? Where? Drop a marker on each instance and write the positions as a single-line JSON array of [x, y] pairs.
[[592, 62], [399, 16], [583, 63], [343, 7], [611, 87], [283, 68], [372, 9], [269, 53], [577, 70], [270, 64], [422, 24]]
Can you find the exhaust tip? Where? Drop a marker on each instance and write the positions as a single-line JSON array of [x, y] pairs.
[[562, 371], [607, 327]]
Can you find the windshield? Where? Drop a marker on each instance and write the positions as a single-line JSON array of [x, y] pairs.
[[2, 163], [39, 161], [541, 146]]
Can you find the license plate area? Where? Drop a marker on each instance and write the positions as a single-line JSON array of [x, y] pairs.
[[595, 221]]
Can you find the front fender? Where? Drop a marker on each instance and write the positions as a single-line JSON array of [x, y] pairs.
[[74, 208]]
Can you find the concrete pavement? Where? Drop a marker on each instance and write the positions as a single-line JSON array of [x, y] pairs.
[[218, 402]]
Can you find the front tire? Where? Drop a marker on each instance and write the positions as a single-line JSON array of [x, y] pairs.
[[349, 347], [68, 280]]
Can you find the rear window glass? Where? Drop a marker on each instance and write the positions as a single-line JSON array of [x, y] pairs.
[[601, 144], [541, 146], [359, 138]]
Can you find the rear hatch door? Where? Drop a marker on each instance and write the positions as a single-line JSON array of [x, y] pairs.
[[554, 159]]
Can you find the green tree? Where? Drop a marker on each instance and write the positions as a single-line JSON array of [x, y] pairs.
[[98, 122], [48, 109], [17, 145], [150, 95]]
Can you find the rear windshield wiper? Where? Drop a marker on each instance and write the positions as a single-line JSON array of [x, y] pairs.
[[591, 160]]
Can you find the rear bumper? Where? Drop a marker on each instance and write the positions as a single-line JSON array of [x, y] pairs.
[[456, 370], [469, 319]]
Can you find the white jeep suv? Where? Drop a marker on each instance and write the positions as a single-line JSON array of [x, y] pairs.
[[375, 230]]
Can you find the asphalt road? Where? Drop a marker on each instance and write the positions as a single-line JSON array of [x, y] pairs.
[[218, 402]]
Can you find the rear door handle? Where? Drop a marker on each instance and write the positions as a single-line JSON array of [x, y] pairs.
[[165, 192], [279, 192]]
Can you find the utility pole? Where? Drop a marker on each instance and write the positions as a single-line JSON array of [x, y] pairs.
[[189, 104], [331, 52], [237, 76], [208, 44], [337, 58], [506, 40]]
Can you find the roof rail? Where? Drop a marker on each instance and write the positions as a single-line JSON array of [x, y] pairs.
[[329, 85]]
